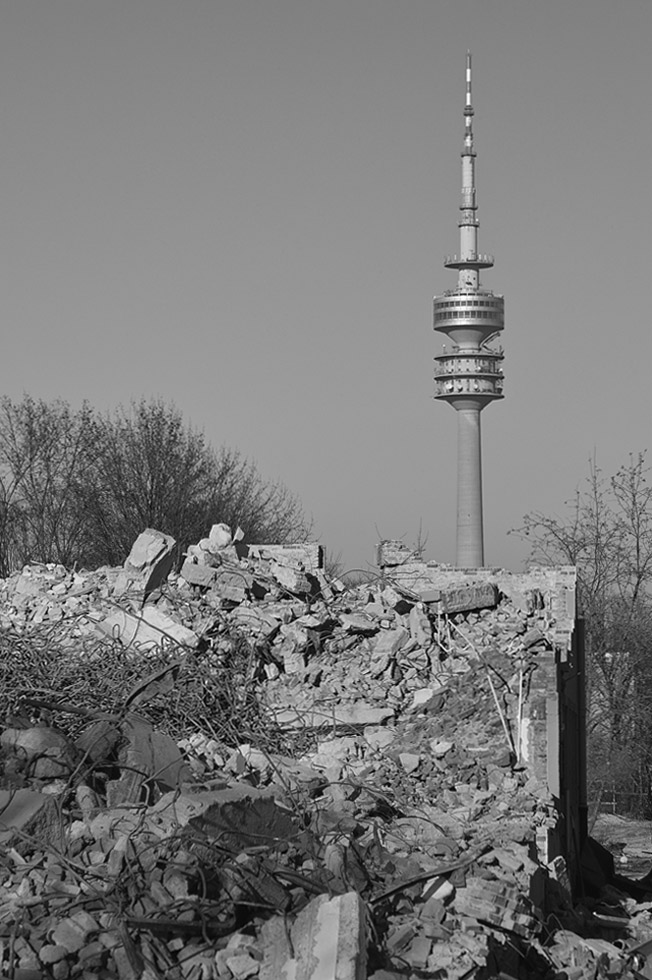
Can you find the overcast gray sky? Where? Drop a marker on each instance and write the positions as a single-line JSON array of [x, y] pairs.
[[243, 206]]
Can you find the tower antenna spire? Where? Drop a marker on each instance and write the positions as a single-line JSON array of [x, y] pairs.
[[469, 376], [468, 104]]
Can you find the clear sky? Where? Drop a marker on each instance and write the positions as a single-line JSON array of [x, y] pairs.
[[243, 206]]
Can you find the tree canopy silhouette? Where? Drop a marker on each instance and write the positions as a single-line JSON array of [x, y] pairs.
[[77, 486]]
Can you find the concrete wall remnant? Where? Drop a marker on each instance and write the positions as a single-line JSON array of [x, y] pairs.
[[550, 719]]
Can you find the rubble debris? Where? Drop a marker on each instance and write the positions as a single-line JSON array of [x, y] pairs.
[[245, 770], [309, 557]]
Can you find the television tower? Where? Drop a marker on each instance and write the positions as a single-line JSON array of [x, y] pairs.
[[468, 374]]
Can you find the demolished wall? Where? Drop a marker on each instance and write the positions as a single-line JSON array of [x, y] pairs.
[[550, 722]]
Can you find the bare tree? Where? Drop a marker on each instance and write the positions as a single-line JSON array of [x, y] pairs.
[[78, 487], [151, 470], [266, 510], [46, 452], [154, 470]]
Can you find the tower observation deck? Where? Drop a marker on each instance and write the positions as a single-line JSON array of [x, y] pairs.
[[469, 373]]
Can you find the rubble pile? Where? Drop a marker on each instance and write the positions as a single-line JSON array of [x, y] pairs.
[[245, 769]]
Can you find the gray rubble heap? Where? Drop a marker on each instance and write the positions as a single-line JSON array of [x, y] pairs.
[[397, 832]]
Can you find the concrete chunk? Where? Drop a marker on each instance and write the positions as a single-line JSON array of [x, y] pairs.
[[237, 816], [219, 537], [148, 549], [232, 583], [27, 813], [196, 574], [420, 627], [278, 962], [73, 932], [46, 752], [358, 622], [329, 940], [390, 641], [149, 563], [291, 579], [146, 756], [254, 619], [337, 715], [150, 629]]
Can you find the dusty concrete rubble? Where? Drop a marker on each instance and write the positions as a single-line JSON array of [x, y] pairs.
[[409, 827]]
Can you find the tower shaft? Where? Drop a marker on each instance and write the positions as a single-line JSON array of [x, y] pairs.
[[469, 375], [470, 537]]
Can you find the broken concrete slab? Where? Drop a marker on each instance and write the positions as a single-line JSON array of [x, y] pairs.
[[148, 549], [356, 715], [254, 619], [379, 738], [238, 815], [329, 939], [148, 630], [26, 814], [278, 961], [420, 626], [228, 580], [196, 573], [423, 696], [98, 742], [122, 822], [149, 758], [358, 622], [390, 641], [149, 563], [232, 583]]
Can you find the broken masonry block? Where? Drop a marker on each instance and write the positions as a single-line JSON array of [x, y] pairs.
[[466, 598], [392, 553], [308, 556]]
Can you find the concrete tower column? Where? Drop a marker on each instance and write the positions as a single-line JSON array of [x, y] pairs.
[[469, 372], [470, 538]]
